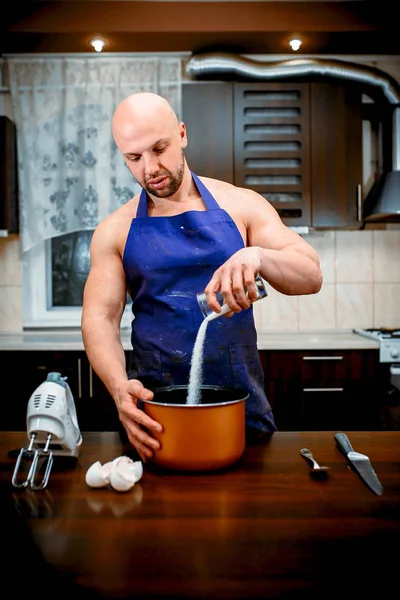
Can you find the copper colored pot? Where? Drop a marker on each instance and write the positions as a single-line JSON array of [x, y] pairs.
[[198, 437]]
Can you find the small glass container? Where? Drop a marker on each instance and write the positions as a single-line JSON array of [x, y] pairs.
[[210, 314]]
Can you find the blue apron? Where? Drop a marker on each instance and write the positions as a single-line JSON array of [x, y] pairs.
[[167, 260]]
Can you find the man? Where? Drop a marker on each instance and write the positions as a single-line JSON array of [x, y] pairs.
[[180, 235]]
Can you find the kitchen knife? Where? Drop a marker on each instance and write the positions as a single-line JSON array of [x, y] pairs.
[[360, 462]]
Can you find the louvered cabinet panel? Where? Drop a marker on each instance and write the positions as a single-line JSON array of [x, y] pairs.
[[272, 145]]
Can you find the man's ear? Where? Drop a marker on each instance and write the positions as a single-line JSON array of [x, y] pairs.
[[183, 134]]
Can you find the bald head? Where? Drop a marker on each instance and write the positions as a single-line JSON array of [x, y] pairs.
[[152, 141], [145, 102], [140, 112]]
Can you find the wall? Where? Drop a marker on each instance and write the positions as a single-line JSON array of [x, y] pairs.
[[361, 276], [361, 286], [10, 284]]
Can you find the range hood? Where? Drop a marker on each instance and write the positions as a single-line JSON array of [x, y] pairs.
[[382, 203], [383, 200]]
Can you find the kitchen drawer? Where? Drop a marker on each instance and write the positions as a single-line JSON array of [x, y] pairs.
[[323, 390], [341, 406], [335, 365]]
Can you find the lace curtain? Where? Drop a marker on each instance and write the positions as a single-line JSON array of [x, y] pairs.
[[71, 174]]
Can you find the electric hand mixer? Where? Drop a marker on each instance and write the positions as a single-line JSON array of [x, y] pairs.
[[52, 427]]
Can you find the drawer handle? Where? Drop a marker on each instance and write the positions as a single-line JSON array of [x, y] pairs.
[[322, 357], [323, 389]]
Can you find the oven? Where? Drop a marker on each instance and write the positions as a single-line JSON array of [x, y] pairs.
[[389, 359]]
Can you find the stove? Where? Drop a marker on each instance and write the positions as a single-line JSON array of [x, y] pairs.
[[389, 342], [389, 378]]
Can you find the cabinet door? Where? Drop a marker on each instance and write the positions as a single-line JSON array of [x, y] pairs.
[[336, 154], [101, 413], [207, 113], [272, 145], [282, 387]]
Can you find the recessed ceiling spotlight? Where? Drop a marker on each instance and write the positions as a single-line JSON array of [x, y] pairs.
[[295, 44], [98, 44]]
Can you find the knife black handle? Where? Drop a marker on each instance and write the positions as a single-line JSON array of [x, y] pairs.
[[344, 443]]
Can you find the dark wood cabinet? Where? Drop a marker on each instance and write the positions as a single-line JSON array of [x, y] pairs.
[[299, 144], [319, 390], [207, 111], [26, 370], [336, 154], [308, 391]]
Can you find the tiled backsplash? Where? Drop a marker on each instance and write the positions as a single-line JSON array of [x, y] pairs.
[[10, 284], [361, 285]]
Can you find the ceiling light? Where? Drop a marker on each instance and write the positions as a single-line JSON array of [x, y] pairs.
[[98, 44], [295, 44]]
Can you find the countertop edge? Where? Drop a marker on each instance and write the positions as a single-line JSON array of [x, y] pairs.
[[285, 340]]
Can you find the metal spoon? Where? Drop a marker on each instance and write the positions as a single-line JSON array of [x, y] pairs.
[[315, 467]]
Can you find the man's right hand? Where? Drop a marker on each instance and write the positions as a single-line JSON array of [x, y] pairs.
[[138, 424]]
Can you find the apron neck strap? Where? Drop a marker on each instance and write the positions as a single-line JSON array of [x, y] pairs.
[[208, 198], [142, 207]]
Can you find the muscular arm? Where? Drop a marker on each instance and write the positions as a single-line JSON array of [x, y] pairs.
[[104, 301], [284, 259], [103, 306], [288, 262]]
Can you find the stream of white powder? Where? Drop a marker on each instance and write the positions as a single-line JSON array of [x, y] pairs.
[[196, 367]]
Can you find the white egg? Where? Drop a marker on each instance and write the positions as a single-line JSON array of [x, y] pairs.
[[137, 469], [98, 475], [125, 473], [106, 468]]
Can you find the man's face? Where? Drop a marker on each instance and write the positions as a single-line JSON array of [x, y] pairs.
[[164, 182], [156, 159]]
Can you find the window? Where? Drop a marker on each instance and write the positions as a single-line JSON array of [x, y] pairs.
[[69, 268], [55, 273]]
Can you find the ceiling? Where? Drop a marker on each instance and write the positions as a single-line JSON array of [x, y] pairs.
[[240, 26]]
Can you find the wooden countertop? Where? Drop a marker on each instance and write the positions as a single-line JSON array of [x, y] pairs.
[[263, 528], [273, 340]]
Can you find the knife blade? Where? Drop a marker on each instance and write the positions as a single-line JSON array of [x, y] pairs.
[[360, 462]]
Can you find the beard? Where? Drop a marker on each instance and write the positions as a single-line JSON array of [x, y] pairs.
[[175, 180]]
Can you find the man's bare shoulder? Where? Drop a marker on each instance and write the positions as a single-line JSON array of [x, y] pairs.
[[115, 227], [123, 214]]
